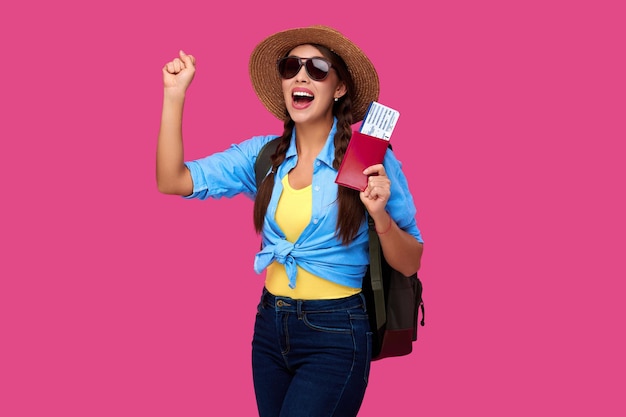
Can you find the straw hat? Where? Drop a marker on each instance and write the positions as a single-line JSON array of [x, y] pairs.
[[267, 82]]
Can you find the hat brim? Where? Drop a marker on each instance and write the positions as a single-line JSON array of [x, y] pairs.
[[267, 82]]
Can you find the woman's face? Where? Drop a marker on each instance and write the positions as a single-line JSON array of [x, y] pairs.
[[308, 100]]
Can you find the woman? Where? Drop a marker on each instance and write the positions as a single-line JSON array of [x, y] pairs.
[[311, 345]]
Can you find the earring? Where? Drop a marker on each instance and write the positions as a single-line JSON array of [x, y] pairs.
[[336, 98]]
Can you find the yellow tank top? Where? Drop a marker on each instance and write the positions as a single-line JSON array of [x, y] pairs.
[[293, 214]]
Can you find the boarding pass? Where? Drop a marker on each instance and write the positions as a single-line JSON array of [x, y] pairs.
[[379, 121]]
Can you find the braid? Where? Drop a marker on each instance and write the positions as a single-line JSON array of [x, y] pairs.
[[351, 212], [264, 193], [344, 129]]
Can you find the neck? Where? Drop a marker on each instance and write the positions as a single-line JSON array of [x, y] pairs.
[[311, 138]]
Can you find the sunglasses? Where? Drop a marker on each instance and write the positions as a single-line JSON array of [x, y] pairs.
[[317, 68]]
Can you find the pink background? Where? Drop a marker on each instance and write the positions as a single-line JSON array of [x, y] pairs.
[[116, 300]]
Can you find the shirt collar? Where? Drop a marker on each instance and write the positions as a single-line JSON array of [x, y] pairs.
[[326, 155]]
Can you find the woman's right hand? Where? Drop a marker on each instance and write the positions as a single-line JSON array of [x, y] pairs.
[[173, 177], [178, 73]]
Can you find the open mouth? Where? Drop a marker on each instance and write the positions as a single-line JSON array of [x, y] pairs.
[[302, 97]]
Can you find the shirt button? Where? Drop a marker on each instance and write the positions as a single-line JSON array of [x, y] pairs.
[[317, 188], [315, 221], [317, 163]]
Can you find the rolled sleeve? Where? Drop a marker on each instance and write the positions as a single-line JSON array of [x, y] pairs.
[[401, 206], [227, 173]]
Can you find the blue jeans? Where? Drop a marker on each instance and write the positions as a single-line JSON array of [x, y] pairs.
[[310, 358]]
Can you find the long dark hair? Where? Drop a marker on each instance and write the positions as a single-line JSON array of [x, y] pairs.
[[351, 213]]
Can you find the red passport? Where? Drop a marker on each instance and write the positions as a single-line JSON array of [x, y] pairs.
[[362, 152]]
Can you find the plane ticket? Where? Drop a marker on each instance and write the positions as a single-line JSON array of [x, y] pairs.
[[379, 121]]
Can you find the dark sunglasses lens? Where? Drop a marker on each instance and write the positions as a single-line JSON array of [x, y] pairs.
[[288, 67], [317, 68]]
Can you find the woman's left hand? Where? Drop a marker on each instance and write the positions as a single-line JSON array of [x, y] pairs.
[[378, 190]]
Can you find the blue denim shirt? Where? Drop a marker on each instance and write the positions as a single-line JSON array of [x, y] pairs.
[[317, 250]]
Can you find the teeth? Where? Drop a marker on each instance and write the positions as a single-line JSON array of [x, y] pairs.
[[302, 94]]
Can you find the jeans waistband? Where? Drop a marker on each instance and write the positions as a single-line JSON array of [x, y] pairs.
[[310, 306]]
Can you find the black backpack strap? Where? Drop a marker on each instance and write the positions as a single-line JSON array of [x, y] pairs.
[[263, 161], [376, 275]]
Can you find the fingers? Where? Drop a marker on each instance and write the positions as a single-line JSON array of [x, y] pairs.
[[378, 187], [377, 169], [178, 64], [175, 66], [189, 60], [378, 184]]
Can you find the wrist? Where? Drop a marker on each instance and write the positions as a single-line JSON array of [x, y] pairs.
[[173, 94], [385, 226]]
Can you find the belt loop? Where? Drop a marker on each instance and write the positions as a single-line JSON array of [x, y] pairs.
[[299, 309]]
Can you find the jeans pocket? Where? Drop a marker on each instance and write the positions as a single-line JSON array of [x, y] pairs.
[[328, 322]]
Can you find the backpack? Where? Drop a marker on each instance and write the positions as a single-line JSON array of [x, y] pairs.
[[393, 301]]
